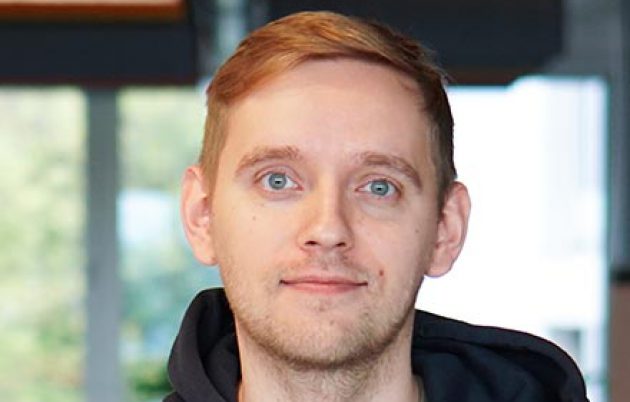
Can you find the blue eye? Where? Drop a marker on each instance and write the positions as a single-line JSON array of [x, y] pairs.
[[277, 181], [381, 188]]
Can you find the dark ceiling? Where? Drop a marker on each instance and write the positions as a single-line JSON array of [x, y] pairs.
[[477, 42]]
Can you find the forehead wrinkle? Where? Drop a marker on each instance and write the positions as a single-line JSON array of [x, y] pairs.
[[370, 158], [265, 153]]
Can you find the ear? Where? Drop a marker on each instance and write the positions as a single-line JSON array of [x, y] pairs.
[[196, 215], [452, 228]]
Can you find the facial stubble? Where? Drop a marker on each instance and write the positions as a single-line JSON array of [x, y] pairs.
[[322, 340]]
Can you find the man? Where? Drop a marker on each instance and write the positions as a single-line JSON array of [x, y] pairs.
[[325, 192]]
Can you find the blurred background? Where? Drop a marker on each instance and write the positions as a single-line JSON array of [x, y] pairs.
[[102, 107]]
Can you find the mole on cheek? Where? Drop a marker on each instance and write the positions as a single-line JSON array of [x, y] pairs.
[[381, 272]]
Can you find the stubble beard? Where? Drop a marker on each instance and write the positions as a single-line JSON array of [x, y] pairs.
[[320, 345]]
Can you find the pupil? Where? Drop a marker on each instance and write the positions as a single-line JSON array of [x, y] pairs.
[[277, 180], [380, 187]]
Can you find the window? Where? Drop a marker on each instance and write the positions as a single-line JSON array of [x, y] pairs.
[[532, 156]]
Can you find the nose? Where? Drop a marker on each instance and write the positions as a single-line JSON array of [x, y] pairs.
[[326, 223]]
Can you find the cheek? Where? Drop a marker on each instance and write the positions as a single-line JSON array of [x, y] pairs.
[[251, 233], [403, 251]]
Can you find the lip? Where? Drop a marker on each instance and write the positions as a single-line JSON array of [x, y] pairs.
[[322, 284]]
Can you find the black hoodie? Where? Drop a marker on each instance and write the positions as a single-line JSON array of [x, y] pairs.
[[457, 362]]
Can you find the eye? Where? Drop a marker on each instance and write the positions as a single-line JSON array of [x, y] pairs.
[[275, 181], [380, 188]]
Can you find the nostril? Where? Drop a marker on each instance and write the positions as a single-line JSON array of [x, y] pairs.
[[315, 243]]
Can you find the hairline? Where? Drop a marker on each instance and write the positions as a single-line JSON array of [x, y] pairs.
[[223, 115]]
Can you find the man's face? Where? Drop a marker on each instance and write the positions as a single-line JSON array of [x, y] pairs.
[[324, 215]]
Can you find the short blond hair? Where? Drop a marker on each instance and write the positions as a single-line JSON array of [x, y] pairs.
[[285, 43]]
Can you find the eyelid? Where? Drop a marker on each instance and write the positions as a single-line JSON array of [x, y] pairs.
[[266, 172], [397, 187]]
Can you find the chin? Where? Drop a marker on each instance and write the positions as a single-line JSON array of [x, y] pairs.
[[323, 343]]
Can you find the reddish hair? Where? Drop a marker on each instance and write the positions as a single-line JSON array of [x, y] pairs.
[[285, 43]]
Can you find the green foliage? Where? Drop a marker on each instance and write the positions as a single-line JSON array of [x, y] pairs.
[[41, 259], [161, 134], [42, 202], [147, 380]]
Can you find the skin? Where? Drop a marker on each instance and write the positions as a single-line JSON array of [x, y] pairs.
[[324, 220]]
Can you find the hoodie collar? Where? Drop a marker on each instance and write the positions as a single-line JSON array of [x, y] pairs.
[[457, 362]]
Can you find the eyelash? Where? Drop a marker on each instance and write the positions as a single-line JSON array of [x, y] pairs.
[[396, 188], [260, 179]]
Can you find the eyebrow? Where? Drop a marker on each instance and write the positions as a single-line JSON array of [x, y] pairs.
[[393, 162], [264, 154], [367, 158]]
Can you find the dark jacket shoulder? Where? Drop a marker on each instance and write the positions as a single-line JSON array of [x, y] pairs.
[[458, 362], [464, 362]]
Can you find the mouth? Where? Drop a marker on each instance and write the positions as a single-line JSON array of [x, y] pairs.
[[328, 285]]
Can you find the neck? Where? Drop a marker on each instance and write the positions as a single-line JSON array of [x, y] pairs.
[[386, 377]]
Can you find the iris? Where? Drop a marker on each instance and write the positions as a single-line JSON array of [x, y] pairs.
[[380, 187], [277, 181]]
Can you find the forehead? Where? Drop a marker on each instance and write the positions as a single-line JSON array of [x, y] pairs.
[[341, 72], [342, 106]]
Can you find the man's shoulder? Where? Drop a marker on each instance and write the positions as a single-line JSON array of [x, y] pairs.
[[203, 365], [433, 326], [172, 397], [466, 362]]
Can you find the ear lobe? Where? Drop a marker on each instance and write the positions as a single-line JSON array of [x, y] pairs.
[[452, 229], [196, 215]]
